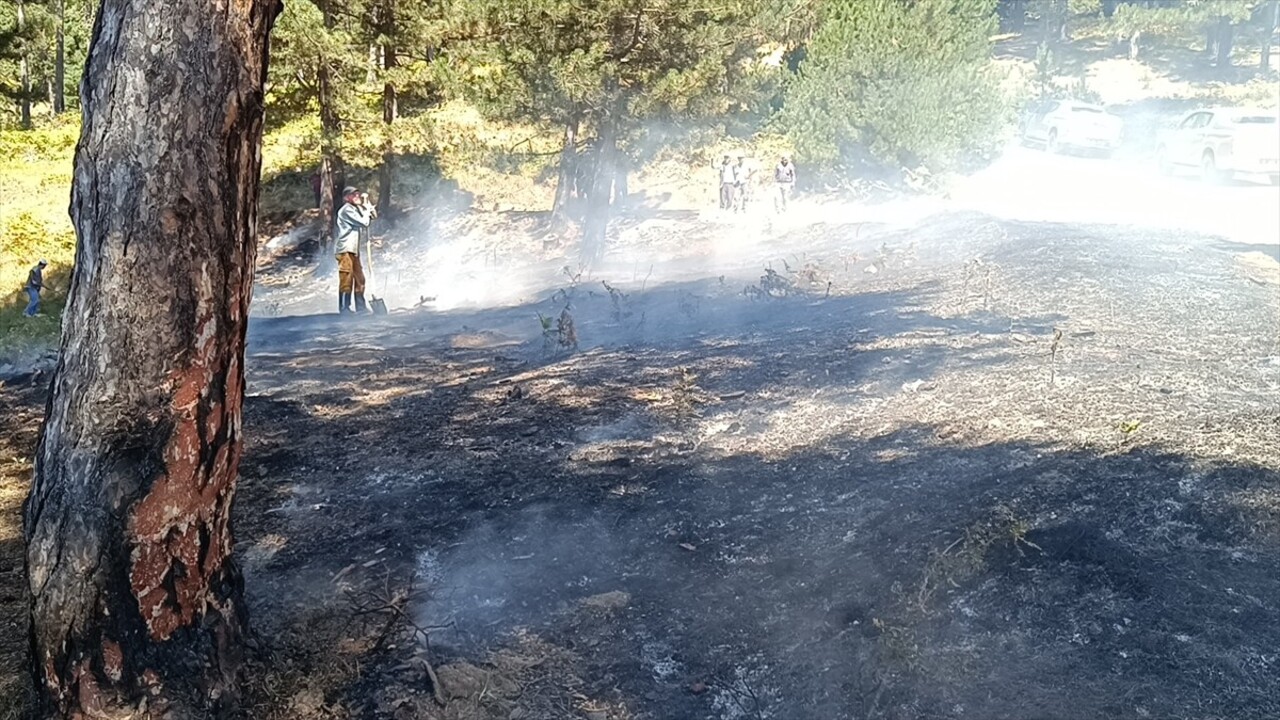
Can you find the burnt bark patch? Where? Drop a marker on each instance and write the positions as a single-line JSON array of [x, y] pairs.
[[134, 590]]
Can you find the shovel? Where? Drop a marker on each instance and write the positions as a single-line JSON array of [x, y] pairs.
[[377, 304]]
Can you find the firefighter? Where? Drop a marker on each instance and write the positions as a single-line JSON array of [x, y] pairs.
[[350, 224]]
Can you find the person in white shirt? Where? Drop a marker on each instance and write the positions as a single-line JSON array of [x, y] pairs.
[[352, 220], [727, 184], [784, 177], [742, 174]]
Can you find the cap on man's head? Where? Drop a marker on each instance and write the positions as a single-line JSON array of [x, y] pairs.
[[349, 191], [43, 261]]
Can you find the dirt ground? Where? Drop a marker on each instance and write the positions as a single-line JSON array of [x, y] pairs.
[[969, 468]]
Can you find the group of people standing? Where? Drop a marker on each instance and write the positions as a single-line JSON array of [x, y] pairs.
[[736, 183]]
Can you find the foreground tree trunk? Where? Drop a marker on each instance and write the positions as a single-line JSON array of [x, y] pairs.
[[135, 597]]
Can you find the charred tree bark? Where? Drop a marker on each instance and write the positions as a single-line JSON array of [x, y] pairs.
[[565, 178], [389, 108], [60, 62], [331, 168], [134, 590]]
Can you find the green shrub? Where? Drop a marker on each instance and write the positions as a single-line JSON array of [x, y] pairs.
[[898, 84]]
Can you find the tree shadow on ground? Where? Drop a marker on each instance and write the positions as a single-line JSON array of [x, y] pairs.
[[1272, 251], [21, 409], [844, 506], [879, 567], [1070, 58]]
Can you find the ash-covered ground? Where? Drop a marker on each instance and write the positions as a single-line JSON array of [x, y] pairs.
[[925, 463], [961, 458]]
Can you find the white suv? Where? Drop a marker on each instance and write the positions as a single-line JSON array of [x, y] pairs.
[[1067, 124], [1223, 143]]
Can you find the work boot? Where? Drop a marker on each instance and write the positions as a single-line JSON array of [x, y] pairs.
[[361, 308], [344, 303]]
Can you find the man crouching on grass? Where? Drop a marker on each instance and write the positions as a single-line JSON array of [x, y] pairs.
[[352, 220]]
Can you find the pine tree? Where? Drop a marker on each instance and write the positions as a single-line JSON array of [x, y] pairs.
[[611, 68], [43, 44], [903, 83]]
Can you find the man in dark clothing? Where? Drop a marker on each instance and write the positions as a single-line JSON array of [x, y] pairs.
[[35, 283], [352, 220]]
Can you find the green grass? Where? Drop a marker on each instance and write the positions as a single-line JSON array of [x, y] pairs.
[[19, 335], [36, 177]]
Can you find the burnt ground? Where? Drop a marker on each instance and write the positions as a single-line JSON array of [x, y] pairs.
[[976, 468]]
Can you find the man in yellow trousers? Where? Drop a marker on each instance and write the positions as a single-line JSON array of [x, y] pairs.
[[351, 222]]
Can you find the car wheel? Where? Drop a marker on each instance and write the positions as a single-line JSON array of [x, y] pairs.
[[1163, 163], [1052, 143], [1209, 168]]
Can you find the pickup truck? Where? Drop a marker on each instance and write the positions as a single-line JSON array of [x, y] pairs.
[[1223, 143]]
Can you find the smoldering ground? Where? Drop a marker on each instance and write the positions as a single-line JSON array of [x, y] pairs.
[[939, 463]]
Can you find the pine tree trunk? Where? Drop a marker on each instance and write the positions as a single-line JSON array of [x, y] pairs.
[[24, 71], [134, 591], [1271, 19], [389, 109], [1226, 41], [331, 169], [60, 63], [596, 227], [565, 177]]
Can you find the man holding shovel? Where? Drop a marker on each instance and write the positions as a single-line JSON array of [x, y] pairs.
[[348, 227]]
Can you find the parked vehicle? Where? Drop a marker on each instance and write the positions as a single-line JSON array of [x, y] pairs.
[[1224, 143], [1061, 125]]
